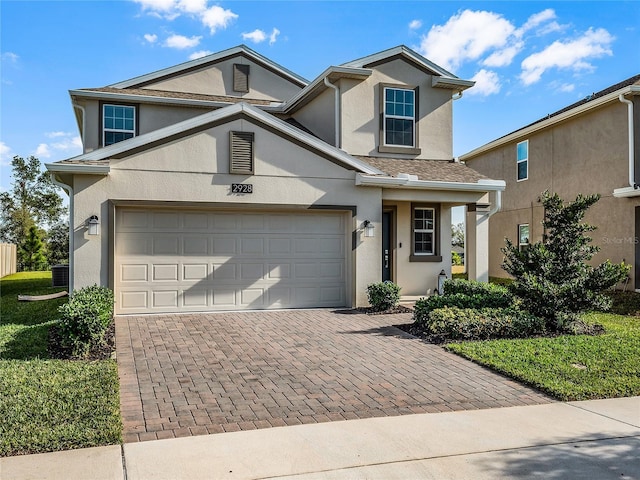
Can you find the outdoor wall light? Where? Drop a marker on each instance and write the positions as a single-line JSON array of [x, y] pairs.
[[368, 228], [94, 225], [442, 276]]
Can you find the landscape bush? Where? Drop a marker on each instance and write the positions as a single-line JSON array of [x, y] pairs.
[[472, 287], [383, 295], [85, 319], [494, 299], [479, 324]]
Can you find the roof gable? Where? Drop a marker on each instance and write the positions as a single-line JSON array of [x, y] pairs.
[[203, 62]]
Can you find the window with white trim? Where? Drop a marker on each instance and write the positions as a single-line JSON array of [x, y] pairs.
[[522, 160], [523, 236], [399, 125], [424, 231], [118, 123]]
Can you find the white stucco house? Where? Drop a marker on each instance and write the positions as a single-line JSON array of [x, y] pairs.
[[229, 182]]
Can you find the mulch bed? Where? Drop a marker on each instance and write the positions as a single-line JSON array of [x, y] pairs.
[[101, 352]]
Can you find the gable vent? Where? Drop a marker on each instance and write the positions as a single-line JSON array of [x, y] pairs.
[[240, 77], [241, 152]]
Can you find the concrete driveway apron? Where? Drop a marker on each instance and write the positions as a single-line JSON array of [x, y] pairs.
[[183, 375]]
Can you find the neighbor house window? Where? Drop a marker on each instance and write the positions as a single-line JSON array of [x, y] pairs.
[[118, 123], [424, 232], [523, 236], [522, 154], [399, 117]]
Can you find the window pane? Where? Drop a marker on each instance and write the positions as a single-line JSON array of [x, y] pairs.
[[128, 113], [522, 170], [108, 110], [523, 234], [523, 150], [128, 124], [389, 95], [423, 243]]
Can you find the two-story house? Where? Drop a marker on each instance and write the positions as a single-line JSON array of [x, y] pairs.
[[229, 182], [592, 146]]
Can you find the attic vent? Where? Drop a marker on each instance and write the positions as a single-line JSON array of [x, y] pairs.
[[241, 152], [240, 77]]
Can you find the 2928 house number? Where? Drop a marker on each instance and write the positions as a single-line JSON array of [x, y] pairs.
[[241, 188]]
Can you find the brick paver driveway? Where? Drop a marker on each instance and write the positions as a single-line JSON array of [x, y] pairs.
[[195, 374]]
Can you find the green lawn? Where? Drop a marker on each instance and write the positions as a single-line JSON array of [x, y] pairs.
[[48, 405], [569, 367]]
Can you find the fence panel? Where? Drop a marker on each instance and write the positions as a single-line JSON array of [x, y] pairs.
[[8, 259]]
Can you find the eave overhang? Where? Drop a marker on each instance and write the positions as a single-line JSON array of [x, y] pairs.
[[626, 192], [406, 181], [77, 168], [452, 83]]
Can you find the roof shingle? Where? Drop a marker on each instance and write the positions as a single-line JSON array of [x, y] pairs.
[[429, 170]]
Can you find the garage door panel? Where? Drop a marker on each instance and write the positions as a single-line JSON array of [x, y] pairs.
[[173, 260]]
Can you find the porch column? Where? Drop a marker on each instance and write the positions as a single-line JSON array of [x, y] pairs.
[[477, 242]]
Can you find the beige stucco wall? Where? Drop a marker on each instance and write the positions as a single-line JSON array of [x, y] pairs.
[[150, 117], [319, 116], [217, 79], [585, 155], [194, 172]]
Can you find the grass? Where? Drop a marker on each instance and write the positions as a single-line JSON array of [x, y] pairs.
[[48, 405], [569, 367]]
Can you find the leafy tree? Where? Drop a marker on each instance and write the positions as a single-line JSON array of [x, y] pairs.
[[31, 251], [457, 235], [552, 277], [32, 200], [57, 240]]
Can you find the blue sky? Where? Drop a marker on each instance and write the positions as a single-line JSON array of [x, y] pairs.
[[528, 58]]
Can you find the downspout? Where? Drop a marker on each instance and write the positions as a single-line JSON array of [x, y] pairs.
[[498, 204], [81, 108], [69, 190], [337, 111], [632, 173]]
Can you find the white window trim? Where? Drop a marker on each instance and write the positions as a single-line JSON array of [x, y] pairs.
[[401, 117], [519, 161], [117, 130], [432, 231], [520, 244]]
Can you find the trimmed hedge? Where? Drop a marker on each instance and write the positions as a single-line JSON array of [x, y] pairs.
[[460, 300], [472, 324], [85, 319], [472, 287], [383, 295]]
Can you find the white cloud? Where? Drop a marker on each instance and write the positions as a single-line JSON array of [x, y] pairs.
[[43, 151], [216, 18], [199, 54], [69, 143], [257, 36], [415, 24], [6, 154], [537, 19], [567, 87], [57, 134], [571, 55], [504, 57], [487, 83], [151, 38], [274, 36], [182, 42], [466, 36], [10, 57]]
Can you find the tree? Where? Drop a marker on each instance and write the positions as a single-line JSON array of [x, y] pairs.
[[457, 235], [552, 277], [57, 240], [31, 251], [32, 200]]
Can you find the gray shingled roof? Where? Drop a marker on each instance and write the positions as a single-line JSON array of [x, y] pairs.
[[178, 95], [430, 170]]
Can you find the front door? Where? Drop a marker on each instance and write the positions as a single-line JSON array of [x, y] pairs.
[[387, 222]]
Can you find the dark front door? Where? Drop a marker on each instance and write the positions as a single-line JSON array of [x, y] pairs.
[[387, 221], [637, 242]]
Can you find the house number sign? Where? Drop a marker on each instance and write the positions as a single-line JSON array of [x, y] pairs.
[[241, 188]]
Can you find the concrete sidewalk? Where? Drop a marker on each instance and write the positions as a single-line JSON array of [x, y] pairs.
[[598, 439]]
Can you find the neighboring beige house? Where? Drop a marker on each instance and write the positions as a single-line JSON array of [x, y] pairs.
[[592, 146], [229, 182]]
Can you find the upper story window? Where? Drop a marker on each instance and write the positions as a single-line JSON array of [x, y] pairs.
[[118, 123], [399, 117], [522, 159], [523, 236]]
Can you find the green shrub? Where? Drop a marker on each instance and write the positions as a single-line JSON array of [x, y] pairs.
[[85, 319], [383, 295], [472, 287], [472, 324], [496, 299]]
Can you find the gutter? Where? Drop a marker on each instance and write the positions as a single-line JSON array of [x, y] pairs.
[[632, 189], [69, 190], [78, 168], [337, 111], [404, 180]]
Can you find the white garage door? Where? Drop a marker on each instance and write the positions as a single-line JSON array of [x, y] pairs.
[[182, 261]]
